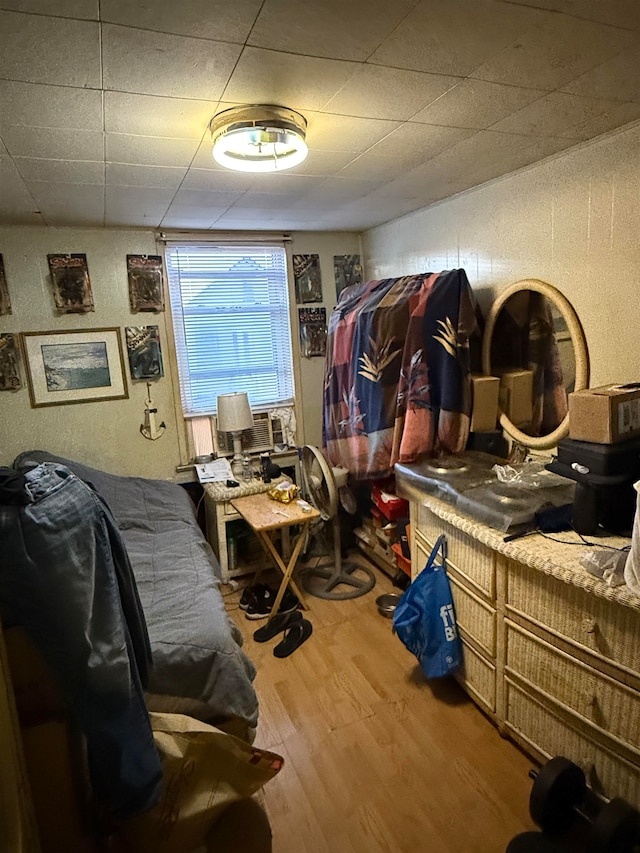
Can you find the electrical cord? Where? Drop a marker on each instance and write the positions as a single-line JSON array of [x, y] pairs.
[[583, 541]]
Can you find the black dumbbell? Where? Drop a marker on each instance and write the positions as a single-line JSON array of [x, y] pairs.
[[559, 798], [532, 842]]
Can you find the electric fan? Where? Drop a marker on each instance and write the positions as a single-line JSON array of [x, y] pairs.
[[321, 491]]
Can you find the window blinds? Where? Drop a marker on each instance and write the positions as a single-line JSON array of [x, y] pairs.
[[230, 308]]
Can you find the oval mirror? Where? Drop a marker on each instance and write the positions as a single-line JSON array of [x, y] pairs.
[[534, 341]]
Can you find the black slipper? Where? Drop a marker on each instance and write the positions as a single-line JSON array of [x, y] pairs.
[[275, 625], [294, 636]]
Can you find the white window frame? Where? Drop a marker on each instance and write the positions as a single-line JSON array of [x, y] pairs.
[[271, 313]]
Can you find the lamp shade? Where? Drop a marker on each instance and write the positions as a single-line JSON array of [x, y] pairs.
[[234, 412]]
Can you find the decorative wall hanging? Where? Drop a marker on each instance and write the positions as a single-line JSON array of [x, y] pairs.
[[313, 331], [9, 374], [71, 284], [145, 282], [307, 279], [347, 270], [151, 429], [74, 367], [5, 302], [145, 354]]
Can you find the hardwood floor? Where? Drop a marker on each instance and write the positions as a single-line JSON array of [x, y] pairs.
[[377, 759]]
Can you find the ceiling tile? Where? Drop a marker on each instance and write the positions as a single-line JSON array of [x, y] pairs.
[[298, 82], [404, 148], [149, 150], [344, 133], [14, 214], [217, 180], [617, 13], [138, 199], [324, 163], [561, 115], [393, 93], [554, 51], [185, 198], [332, 28], [192, 218], [35, 105], [162, 177], [266, 197], [14, 189], [54, 143], [617, 79], [63, 203], [477, 104], [149, 115], [60, 171], [453, 37], [149, 63], [51, 193], [87, 9], [36, 49], [226, 20], [149, 216], [285, 183], [335, 192]]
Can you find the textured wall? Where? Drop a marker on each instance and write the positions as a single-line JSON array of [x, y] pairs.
[[573, 221], [106, 434]]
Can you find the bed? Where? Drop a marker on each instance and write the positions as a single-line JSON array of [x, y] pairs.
[[199, 667]]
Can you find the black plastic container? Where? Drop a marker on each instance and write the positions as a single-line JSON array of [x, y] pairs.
[[603, 459]]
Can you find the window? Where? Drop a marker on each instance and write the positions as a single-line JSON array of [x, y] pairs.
[[231, 323]]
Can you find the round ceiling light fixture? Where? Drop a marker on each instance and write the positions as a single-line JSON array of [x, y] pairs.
[[259, 138]]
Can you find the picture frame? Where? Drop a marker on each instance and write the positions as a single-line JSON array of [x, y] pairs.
[[82, 366], [5, 300], [307, 278], [146, 287], [144, 351], [9, 362], [347, 270], [71, 284]]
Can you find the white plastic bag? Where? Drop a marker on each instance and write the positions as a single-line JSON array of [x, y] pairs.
[[632, 566]]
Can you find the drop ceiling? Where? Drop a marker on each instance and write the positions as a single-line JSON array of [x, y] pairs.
[[105, 104]]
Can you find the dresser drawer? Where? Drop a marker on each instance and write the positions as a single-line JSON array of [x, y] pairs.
[[608, 630], [478, 677], [472, 559], [600, 700], [534, 725], [475, 617]]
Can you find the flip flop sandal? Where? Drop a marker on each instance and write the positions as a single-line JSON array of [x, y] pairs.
[[294, 636], [275, 625]]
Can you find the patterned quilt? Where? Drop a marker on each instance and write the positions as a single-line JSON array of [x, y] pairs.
[[397, 371]]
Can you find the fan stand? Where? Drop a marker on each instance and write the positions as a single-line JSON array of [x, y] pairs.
[[337, 581]]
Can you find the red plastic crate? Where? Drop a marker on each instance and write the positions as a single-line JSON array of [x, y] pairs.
[[391, 506]]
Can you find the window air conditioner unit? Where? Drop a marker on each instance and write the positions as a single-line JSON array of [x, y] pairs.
[[258, 439]]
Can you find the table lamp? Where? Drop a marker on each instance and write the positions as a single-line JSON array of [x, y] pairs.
[[234, 416]]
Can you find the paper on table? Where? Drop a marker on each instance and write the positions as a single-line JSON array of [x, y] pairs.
[[215, 472]]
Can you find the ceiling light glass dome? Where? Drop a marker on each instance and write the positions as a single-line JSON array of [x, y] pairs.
[[259, 138]]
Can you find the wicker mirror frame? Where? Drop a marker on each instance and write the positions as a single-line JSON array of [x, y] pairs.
[[578, 339]]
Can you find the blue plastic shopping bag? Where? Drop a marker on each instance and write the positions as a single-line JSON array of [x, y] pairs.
[[424, 618]]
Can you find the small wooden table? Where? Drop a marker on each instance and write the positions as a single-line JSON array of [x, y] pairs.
[[263, 514]]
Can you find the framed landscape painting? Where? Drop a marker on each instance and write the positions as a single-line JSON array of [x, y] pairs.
[[74, 367]]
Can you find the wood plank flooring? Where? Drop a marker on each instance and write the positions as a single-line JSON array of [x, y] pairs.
[[377, 759]]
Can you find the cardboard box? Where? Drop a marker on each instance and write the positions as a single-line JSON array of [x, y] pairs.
[[516, 396], [484, 402], [605, 415]]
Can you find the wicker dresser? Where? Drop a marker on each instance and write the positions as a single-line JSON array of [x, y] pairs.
[[551, 653]]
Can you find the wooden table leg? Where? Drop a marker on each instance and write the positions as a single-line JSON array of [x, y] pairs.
[[287, 571]]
